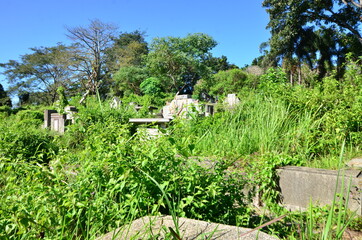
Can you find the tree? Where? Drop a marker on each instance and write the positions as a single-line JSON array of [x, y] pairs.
[[344, 14], [4, 99], [91, 44], [151, 86], [222, 83], [219, 64], [128, 79], [315, 32], [129, 49], [40, 73], [180, 62]]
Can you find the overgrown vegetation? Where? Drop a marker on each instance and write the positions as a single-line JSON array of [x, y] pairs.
[[101, 175], [103, 172]]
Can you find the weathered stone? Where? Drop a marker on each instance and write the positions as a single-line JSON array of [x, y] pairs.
[[70, 112], [157, 227], [116, 102], [231, 100], [209, 109], [57, 122], [180, 107], [355, 163], [47, 118], [301, 185]]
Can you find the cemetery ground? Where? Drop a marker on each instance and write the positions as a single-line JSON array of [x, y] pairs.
[[102, 174]]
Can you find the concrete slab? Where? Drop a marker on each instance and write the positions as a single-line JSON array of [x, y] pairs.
[[149, 120], [157, 227], [301, 185]]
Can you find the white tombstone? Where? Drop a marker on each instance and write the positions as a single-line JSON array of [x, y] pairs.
[[116, 102], [231, 100]]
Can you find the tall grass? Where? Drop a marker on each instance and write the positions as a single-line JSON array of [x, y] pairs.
[[258, 125], [336, 218]]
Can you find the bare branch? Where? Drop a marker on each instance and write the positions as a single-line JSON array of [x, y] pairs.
[[355, 3]]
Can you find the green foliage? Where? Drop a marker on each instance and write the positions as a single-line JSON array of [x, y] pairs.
[[4, 99], [262, 172], [45, 68], [21, 138], [222, 83], [5, 111], [62, 102], [128, 80], [103, 173], [180, 61], [151, 86], [312, 32], [101, 185], [274, 82], [259, 124], [129, 49]]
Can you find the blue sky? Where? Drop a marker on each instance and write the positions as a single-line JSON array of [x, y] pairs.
[[237, 25]]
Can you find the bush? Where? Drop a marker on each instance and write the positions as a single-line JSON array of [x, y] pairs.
[[24, 140]]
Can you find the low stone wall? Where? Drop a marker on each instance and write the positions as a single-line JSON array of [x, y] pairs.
[[301, 185]]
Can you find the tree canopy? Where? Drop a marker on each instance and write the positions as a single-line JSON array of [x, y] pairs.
[[91, 44], [4, 98], [42, 72], [318, 33], [128, 49], [180, 62]]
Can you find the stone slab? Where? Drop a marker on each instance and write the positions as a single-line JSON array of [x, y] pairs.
[[355, 163], [149, 120], [156, 228], [301, 185]]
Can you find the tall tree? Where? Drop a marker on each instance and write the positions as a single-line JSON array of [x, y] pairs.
[[91, 44], [313, 31], [4, 98], [180, 62], [219, 64], [129, 49], [128, 79], [40, 72], [222, 83]]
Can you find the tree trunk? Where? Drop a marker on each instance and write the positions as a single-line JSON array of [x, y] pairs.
[[299, 75]]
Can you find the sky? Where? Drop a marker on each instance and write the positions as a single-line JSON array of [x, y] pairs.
[[239, 26]]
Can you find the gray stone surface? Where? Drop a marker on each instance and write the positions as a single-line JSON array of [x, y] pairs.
[[231, 100], [47, 118], [180, 106], [56, 121], [301, 185], [158, 227], [355, 163], [116, 102]]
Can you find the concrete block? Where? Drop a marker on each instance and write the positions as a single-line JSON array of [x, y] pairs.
[[300, 185]]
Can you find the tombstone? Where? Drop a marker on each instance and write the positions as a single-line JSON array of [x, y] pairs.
[[231, 100], [166, 111], [47, 118], [181, 106], [299, 186], [209, 109], [116, 102], [70, 113], [56, 121]]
